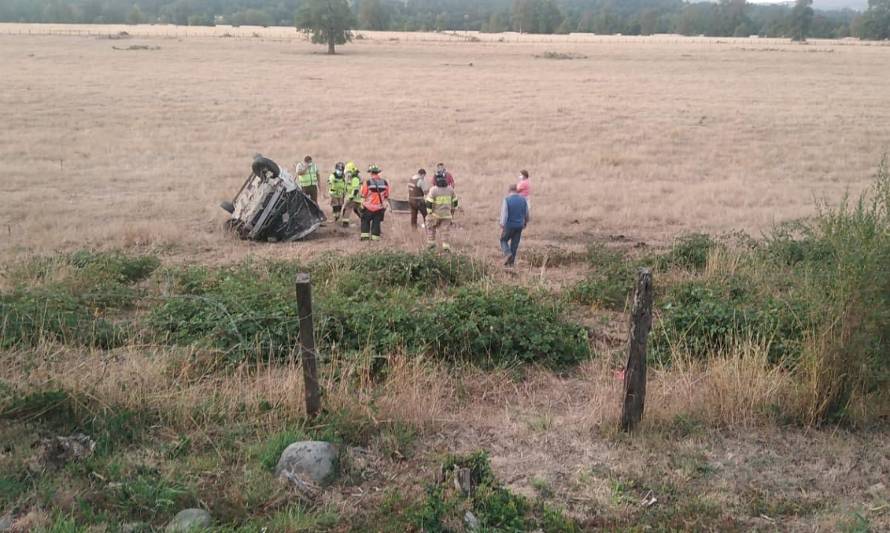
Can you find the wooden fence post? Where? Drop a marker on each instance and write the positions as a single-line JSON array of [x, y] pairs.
[[307, 345], [635, 371]]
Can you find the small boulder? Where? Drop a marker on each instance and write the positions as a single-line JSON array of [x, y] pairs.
[[6, 522], [314, 461], [189, 520], [471, 522]]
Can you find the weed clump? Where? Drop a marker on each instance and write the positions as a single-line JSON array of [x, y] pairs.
[[467, 486], [68, 299], [689, 252], [609, 282]]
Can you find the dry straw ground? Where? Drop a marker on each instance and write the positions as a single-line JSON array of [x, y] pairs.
[[105, 146]]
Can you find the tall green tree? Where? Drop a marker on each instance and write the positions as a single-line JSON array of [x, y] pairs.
[[135, 16], [800, 20], [373, 15], [327, 21], [875, 22]]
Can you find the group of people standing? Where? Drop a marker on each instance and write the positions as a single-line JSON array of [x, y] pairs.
[[433, 198]]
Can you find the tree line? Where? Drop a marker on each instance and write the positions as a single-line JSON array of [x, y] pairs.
[[628, 17]]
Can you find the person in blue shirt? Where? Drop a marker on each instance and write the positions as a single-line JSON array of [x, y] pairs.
[[514, 219]]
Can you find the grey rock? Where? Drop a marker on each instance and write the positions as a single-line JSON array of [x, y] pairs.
[[471, 522], [315, 461], [6, 522], [190, 520]]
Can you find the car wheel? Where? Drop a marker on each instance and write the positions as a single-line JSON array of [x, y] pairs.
[[228, 206], [263, 165]]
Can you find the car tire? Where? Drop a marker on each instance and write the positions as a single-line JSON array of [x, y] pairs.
[[261, 165], [228, 206]]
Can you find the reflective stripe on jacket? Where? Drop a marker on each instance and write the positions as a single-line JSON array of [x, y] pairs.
[[441, 201], [375, 191], [307, 175], [354, 187], [337, 185]]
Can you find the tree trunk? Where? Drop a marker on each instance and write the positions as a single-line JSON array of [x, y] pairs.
[[331, 44]]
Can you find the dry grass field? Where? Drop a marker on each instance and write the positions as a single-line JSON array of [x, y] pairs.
[[104, 146]]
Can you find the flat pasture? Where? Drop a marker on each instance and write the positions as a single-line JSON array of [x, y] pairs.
[[131, 141]]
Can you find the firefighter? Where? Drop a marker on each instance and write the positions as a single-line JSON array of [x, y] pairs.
[[353, 194], [337, 189], [375, 192], [307, 176], [441, 203]]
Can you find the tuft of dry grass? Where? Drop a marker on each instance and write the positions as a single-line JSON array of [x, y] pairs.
[[190, 389], [735, 389]]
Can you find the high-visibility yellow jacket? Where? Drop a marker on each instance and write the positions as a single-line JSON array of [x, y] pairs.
[[307, 175], [354, 187], [337, 185], [441, 202]]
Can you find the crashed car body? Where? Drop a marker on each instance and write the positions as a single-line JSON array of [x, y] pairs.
[[271, 206]]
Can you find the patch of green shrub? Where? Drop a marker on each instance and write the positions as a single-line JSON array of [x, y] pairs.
[[423, 271], [147, 495], [689, 252], [236, 309], [30, 316], [71, 309], [703, 319], [114, 266], [494, 506], [609, 283], [503, 326], [243, 310], [269, 451], [11, 487]]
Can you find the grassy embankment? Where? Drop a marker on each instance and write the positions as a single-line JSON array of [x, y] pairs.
[[188, 380]]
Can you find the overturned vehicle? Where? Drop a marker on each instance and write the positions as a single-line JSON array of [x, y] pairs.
[[270, 206]]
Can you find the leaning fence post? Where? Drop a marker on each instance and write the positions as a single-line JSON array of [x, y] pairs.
[[307, 345], [635, 371]]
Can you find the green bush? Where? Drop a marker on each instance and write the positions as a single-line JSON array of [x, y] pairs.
[[30, 316], [496, 507], [609, 283], [505, 325], [114, 266], [689, 252], [246, 309], [237, 309], [704, 318], [423, 271], [71, 309]]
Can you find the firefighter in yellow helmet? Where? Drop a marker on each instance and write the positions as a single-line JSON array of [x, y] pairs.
[[353, 197], [337, 189], [441, 203]]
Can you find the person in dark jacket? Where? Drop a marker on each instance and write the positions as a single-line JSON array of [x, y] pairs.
[[514, 218]]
